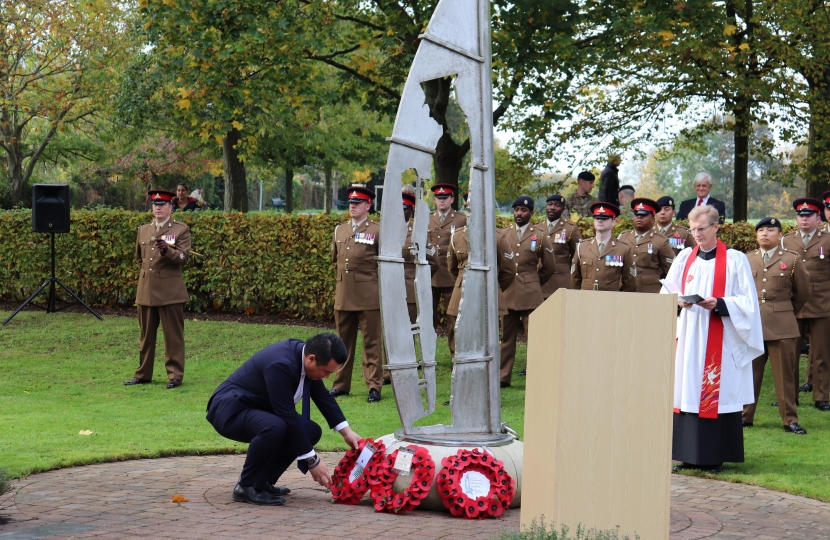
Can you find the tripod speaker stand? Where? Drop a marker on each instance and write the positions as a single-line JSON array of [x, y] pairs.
[[50, 213]]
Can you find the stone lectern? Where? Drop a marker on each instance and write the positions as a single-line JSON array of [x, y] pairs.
[[598, 412]]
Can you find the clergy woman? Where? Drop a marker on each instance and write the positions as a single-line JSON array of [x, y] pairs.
[[718, 335]]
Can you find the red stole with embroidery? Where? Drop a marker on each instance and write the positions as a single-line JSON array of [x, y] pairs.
[[710, 387]]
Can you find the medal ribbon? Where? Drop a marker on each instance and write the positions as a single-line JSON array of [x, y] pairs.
[[710, 387]]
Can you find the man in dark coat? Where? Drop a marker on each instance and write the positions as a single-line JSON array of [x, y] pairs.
[[609, 181], [703, 185], [256, 405]]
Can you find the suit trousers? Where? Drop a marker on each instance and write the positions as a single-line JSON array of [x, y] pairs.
[[347, 323], [819, 366], [509, 334], [270, 453], [171, 317], [784, 363]]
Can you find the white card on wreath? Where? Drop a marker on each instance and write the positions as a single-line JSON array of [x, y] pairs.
[[403, 461], [362, 460]]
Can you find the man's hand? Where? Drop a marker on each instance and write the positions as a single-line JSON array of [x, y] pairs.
[[709, 303], [162, 246], [351, 438], [684, 305], [320, 473]]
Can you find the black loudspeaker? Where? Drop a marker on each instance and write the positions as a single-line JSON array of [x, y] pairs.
[[50, 208]]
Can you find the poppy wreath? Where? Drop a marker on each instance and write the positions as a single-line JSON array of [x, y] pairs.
[[382, 477], [502, 486], [345, 492]]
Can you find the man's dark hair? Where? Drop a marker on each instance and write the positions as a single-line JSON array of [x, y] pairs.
[[327, 347], [587, 175]]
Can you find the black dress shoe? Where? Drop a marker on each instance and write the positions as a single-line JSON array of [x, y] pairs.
[[274, 490], [374, 396], [387, 382], [795, 428], [250, 495], [337, 393], [136, 380], [446, 404], [682, 466], [174, 383], [806, 387], [523, 372], [822, 406], [505, 385], [746, 424], [774, 404], [712, 469]]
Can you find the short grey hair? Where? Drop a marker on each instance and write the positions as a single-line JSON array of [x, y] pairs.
[[709, 211], [703, 175], [408, 189]]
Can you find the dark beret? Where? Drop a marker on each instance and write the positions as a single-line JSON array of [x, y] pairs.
[[524, 200], [769, 222], [556, 198]]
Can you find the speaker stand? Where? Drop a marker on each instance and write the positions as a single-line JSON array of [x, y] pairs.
[[50, 301]]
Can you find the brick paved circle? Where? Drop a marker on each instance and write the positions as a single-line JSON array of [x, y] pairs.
[[132, 500]]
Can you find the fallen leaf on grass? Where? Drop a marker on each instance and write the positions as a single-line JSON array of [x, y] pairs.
[[85, 432], [178, 498]]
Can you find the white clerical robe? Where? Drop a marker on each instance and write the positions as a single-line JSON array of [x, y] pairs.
[[743, 337]]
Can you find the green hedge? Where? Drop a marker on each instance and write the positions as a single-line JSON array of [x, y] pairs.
[[271, 263]]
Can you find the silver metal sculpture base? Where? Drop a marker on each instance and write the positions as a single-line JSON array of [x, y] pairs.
[[508, 452], [459, 441]]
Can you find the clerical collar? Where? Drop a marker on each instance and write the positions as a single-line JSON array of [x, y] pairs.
[[707, 255]]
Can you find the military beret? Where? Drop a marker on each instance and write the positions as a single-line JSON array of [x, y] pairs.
[[556, 198], [604, 210], [643, 206], [587, 176], [525, 201], [665, 201], [769, 222], [806, 206]]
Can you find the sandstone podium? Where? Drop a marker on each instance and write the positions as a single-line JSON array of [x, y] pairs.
[[598, 412]]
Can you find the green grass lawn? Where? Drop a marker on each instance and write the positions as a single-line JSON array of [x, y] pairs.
[[62, 373]]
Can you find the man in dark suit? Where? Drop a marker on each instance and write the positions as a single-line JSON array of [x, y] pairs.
[[703, 185], [256, 405], [609, 181]]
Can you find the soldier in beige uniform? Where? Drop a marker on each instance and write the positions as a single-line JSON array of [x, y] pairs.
[[524, 267], [602, 263], [562, 237], [813, 249], [409, 269], [783, 287], [679, 236], [442, 223], [356, 295], [162, 249], [652, 253]]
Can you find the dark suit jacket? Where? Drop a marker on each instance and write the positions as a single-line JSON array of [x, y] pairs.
[[268, 381], [609, 179], [687, 205]]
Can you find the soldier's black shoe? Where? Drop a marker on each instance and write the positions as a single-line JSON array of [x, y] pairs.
[[374, 396], [250, 495], [505, 385], [795, 428], [774, 404], [174, 383], [523, 372], [822, 405], [337, 393], [136, 380], [446, 404], [746, 424], [387, 382], [712, 469], [806, 387], [274, 490]]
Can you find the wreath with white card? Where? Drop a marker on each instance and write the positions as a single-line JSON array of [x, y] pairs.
[[474, 484], [413, 461], [349, 480]]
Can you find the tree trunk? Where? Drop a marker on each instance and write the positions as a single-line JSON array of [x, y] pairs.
[[14, 161], [327, 170], [818, 148], [236, 184], [289, 189], [743, 129]]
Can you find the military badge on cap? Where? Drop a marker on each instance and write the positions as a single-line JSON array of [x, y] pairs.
[[604, 210], [443, 191], [643, 206], [359, 194], [806, 206]]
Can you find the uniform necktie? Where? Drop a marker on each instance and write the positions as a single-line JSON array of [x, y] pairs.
[[441, 217], [766, 258], [550, 226], [519, 233], [699, 202], [354, 226], [805, 238], [637, 238], [601, 246]]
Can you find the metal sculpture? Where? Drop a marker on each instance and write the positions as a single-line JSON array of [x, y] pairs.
[[456, 43]]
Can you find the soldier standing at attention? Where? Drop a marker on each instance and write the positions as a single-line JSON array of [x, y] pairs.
[[562, 237], [524, 267], [356, 294], [442, 223], [409, 269], [813, 249], [602, 263], [161, 248], [580, 201], [678, 235], [652, 253], [783, 286]]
